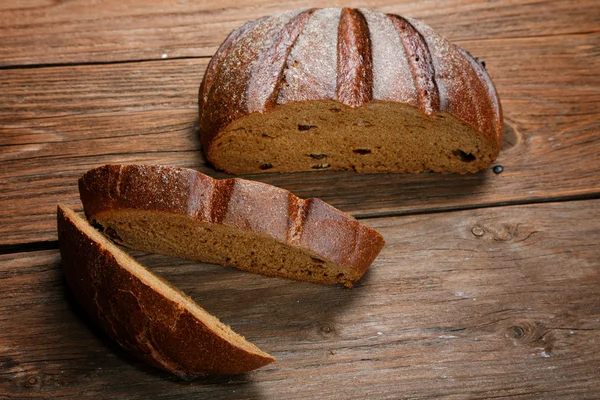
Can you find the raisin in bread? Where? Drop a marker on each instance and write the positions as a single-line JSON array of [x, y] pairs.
[[346, 89], [248, 225], [144, 314]]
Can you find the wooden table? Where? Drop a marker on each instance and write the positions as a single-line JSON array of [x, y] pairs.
[[489, 285]]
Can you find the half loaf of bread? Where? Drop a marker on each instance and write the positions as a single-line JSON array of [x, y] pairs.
[[248, 225], [346, 89], [144, 314]]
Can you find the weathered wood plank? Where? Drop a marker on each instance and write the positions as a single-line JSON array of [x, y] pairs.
[[56, 123], [479, 304], [45, 31]]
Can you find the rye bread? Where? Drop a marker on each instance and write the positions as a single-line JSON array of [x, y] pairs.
[[346, 89], [148, 317], [248, 225]]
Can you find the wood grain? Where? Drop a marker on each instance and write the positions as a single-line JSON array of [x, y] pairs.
[[58, 122], [45, 32], [479, 304]]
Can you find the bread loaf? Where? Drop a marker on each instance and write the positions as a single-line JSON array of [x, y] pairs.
[[346, 89], [144, 314], [248, 225]]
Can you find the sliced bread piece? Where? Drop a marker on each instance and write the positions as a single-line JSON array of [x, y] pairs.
[[248, 225], [143, 313]]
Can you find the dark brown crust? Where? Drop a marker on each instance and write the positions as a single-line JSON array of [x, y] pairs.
[[235, 67], [227, 89], [421, 64], [445, 78], [255, 207], [355, 65], [337, 237], [147, 323], [217, 60], [462, 91], [494, 111], [480, 110], [265, 83]]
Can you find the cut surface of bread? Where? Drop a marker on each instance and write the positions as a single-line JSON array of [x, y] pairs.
[[248, 225], [378, 137], [143, 313], [346, 89]]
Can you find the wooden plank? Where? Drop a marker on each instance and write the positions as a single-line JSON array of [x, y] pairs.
[[57, 123], [481, 303], [45, 32]]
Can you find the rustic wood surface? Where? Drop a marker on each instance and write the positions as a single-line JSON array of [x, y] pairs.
[[49, 32], [489, 285], [58, 122], [479, 303]]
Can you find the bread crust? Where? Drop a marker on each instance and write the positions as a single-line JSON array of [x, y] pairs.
[[351, 56], [254, 207], [156, 325]]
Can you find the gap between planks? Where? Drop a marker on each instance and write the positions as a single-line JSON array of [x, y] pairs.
[[53, 244], [86, 63], [142, 60]]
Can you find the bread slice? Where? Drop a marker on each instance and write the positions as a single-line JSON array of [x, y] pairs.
[[346, 89], [143, 313], [248, 225]]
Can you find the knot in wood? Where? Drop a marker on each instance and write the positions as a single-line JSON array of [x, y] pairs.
[[523, 330], [515, 332], [32, 380], [327, 331], [532, 334], [477, 231]]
